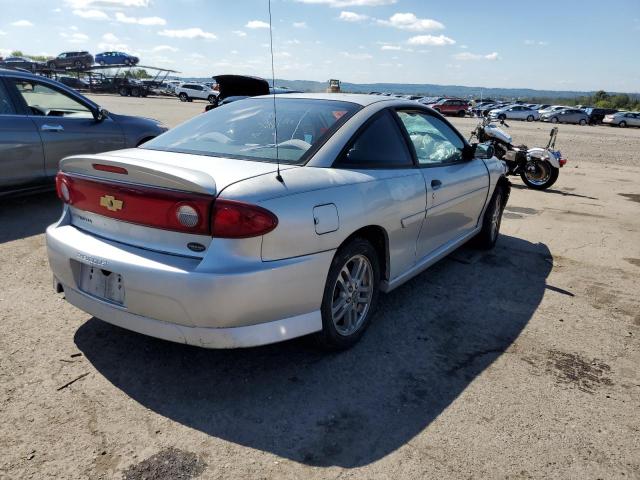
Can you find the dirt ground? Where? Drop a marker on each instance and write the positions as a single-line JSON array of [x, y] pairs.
[[517, 363]]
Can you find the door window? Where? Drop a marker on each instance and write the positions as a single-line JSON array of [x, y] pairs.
[[435, 142], [45, 101], [379, 145], [6, 107]]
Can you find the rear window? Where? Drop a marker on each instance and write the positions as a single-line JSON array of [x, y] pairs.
[[246, 129]]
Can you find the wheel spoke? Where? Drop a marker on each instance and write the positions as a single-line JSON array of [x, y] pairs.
[[359, 269], [339, 308]]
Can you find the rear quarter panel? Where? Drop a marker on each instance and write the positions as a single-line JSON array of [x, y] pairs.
[[362, 198]]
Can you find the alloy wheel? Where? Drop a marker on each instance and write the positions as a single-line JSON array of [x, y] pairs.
[[352, 295], [496, 217]]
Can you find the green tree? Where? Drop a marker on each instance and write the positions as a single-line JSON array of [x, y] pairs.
[[17, 53]]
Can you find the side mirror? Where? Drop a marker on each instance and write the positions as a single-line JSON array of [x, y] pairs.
[[483, 151], [468, 152], [100, 114]]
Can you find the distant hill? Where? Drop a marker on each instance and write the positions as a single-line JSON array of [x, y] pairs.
[[428, 89]]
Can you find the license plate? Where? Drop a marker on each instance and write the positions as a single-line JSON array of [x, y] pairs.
[[102, 283]]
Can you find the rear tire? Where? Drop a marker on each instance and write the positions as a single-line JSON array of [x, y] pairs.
[[350, 295], [135, 92], [502, 116], [530, 118], [123, 91], [545, 182], [583, 122], [461, 113], [554, 120], [492, 220]]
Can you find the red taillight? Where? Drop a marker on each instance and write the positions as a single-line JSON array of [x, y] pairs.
[[110, 168], [562, 162], [230, 219], [142, 205], [62, 188]]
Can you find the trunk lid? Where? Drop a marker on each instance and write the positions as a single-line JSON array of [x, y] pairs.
[[133, 196]]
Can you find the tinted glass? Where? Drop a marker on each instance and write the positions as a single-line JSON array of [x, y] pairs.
[[246, 129], [434, 141], [379, 145], [43, 100], [6, 107]]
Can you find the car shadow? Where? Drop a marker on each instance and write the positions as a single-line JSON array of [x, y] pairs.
[[429, 339], [555, 192], [25, 216]]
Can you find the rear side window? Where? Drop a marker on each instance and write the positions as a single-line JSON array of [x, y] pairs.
[[379, 145]]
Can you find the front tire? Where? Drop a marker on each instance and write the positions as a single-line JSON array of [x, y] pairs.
[[350, 295], [502, 117], [183, 97], [492, 220], [622, 124], [583, 122], [539, 174], [554, 120]]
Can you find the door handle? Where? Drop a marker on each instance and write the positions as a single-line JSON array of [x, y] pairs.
[[436, 184], [52, 128]]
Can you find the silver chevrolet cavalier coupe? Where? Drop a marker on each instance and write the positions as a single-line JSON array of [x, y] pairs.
[[236, 229]]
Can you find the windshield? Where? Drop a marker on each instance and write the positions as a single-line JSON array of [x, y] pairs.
[[245, 129]]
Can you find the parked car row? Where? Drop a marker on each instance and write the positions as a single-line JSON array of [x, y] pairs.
[[66, 60]]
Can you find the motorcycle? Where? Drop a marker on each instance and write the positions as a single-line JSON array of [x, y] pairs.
[[538, 167]]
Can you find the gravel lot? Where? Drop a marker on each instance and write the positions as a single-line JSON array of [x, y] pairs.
[[517, 363]]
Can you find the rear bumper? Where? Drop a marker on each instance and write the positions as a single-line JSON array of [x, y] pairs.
[[185, 300], [236, 337]]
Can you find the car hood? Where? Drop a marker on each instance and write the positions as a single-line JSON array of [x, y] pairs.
[[241, 85]]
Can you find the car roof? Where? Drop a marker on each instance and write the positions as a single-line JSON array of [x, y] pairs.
[[359, 98]]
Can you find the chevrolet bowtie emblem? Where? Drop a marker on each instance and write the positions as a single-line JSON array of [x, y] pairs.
[[110, 203]]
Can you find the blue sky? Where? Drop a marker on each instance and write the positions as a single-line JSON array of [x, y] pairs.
[[561, 44]]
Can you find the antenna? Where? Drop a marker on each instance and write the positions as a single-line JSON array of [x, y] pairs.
[[273, 85]]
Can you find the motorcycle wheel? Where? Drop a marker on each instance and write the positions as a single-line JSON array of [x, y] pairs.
[[539, 174]]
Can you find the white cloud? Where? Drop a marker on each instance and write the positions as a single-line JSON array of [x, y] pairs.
[[2, 32], [352, 17], [164, 48], [22, 23], [190, 33], [91, 14], [533, 42], [349, 3], [121, 17], [464, 56], [110, 37], [239, 33], [300, 25], [356, 56], [408, 21], [107, 3], [256, 24], [75, 37], [431, 40]]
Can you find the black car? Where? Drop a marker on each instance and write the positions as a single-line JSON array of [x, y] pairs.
[[71, 60], [21, 62], [75, 83], [596, 115]]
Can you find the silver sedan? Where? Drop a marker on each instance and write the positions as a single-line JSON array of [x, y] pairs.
[[248, 225]]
